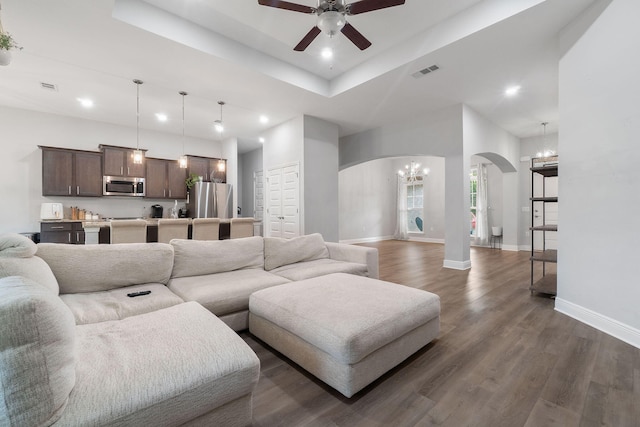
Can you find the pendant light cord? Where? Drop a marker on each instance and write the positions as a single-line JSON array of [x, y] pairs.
[[183, 95], [138, 83]]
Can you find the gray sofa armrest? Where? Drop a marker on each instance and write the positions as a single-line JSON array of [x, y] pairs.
[[357, 254]]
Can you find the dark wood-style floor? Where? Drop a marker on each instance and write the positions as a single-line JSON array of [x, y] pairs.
[[503, 358]]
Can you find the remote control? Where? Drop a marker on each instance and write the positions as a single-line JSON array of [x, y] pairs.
[[137, 294]]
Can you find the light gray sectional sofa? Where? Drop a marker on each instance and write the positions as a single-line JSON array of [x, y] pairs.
[[76, 350]]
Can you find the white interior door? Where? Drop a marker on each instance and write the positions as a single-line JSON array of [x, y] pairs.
[[283, 201], [274, 207], [291, 201], [258, 194]]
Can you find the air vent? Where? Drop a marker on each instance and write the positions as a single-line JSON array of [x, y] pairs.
[[49, 86], [425, 71]]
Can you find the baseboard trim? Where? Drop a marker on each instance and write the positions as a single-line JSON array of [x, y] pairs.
[[457, 265], [426, 240], [366, 240], [512, 248], [524, 248], [603, 323]]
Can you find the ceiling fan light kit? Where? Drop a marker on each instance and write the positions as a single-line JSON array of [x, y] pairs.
[[332, 18]]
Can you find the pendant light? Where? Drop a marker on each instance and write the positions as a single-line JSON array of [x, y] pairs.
[[138, 155], [545, 151], [218, 123], [182, 161]]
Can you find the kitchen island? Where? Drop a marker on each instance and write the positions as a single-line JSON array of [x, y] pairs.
[[77, 232]]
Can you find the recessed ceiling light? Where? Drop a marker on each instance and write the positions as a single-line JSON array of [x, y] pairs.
[[512, 90], [261, 139], [264, 119], [161, 117], [327, 53], [85, 102]]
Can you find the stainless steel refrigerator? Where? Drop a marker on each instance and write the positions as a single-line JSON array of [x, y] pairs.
[[210, 200]]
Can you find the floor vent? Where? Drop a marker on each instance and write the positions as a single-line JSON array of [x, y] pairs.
[[49, 86], [425, 71]]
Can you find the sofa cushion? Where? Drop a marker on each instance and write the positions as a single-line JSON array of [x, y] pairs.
[[161, 368], [16, 245], [224, 293], [198, 257], [279, 251], [33, 268], [94, 268], [93, 307], [37, 353], [319, 267]]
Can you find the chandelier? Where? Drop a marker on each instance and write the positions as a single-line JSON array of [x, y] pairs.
[[412, 173]]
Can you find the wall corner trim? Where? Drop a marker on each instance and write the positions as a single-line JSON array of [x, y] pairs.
[[603, 323], [457, 265]]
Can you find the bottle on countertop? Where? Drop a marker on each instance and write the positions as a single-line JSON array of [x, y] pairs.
[[174, 210]]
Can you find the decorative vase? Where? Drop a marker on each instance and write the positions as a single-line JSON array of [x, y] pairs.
[[5, 57]]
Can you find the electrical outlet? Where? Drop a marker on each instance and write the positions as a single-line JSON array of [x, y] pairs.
[[526, 233]]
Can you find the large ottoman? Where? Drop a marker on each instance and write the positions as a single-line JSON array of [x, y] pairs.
[[346, 330]]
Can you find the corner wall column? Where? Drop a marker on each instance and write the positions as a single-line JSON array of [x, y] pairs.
[[457, 219]]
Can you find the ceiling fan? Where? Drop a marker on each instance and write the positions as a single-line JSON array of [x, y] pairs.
[[332, 18]]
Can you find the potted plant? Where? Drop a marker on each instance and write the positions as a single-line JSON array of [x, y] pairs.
[[191, 180], [6, 44]]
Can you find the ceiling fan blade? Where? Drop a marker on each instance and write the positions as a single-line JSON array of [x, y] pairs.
[[287, 5], [355, 36], [363, 6], [306, 40]]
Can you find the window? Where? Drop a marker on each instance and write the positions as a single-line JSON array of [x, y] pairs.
[[473, 198], [415, 202]]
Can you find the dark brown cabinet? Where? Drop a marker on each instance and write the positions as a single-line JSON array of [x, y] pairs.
[[62, 232], [71, 173], [118, 161], [165, 179], [214, 170]]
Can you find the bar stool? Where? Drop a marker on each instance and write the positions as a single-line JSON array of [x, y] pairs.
[[241, 227], [128, 231], [169, 229], [205, 229]]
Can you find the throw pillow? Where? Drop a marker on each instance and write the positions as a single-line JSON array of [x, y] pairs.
[[16, 245], [279, 251]]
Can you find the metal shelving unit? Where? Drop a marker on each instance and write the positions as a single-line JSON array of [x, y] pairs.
[[547, 167]]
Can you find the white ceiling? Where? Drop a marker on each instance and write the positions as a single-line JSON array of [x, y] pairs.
[[241, 52]]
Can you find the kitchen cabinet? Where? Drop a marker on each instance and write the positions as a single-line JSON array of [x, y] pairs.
[[71, 172], [165, 179], [544, 202], [208, 168], [62, 232], [118, 161]]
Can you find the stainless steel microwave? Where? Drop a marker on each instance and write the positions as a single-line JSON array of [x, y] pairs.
[[122, 186]]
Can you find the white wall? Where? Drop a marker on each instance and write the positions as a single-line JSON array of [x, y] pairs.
[[321, 178], [21, 174], [230, 152], [598, 229], [250, 162]]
